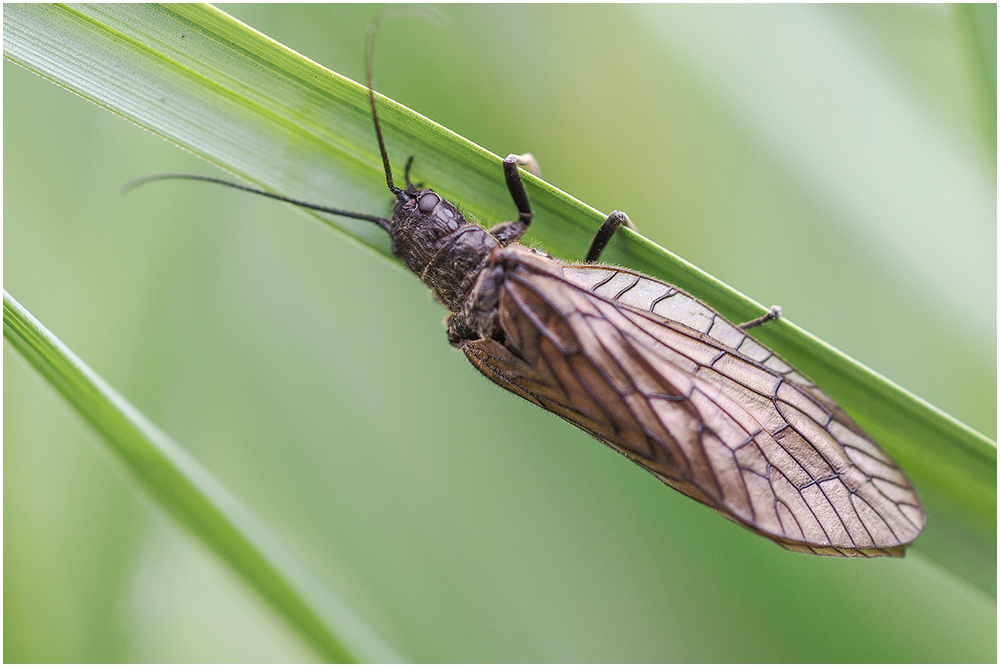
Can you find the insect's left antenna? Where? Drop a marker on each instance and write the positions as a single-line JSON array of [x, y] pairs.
[[370, 71], [381, 222]]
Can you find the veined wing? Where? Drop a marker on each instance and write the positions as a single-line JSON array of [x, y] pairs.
[[649, 295], [669, 383]]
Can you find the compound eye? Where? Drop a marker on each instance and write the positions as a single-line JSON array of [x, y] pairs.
[[428, 202]]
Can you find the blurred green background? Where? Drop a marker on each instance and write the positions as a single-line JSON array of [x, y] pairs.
[[839, 161]]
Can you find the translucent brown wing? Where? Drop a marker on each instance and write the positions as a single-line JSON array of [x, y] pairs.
[[669, 383]]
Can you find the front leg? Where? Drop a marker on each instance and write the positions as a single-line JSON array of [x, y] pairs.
[[509, 232], [479, 315]]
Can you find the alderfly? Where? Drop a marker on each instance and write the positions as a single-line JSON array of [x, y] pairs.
[[651, 372]]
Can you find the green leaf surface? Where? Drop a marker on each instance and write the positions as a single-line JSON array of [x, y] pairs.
[[201, 79]]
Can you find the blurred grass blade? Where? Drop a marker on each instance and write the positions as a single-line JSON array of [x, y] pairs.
[[181, 486], [978, 23], [205, 81]]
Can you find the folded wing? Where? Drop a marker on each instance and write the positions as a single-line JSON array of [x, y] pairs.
[[666, 381]]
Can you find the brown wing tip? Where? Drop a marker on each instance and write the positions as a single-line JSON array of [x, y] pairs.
[[846, 552]]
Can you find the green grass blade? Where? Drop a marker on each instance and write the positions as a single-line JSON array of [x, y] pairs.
[[979, 28], [203, 80], [186, 490]]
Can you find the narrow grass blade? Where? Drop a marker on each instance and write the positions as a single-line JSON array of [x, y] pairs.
[[186, 490]]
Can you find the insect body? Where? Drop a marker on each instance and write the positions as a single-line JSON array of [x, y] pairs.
[[663, 379], [655, 374]]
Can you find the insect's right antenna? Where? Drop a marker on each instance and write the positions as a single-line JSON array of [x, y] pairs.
[[370, 69]]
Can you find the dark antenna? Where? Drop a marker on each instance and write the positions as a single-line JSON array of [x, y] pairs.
[[381, 222], [370, 71], [427, 12]]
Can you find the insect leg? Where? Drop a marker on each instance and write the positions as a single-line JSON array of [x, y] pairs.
[[772, 314], [509, 232], [478, 317], [604, 234]]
